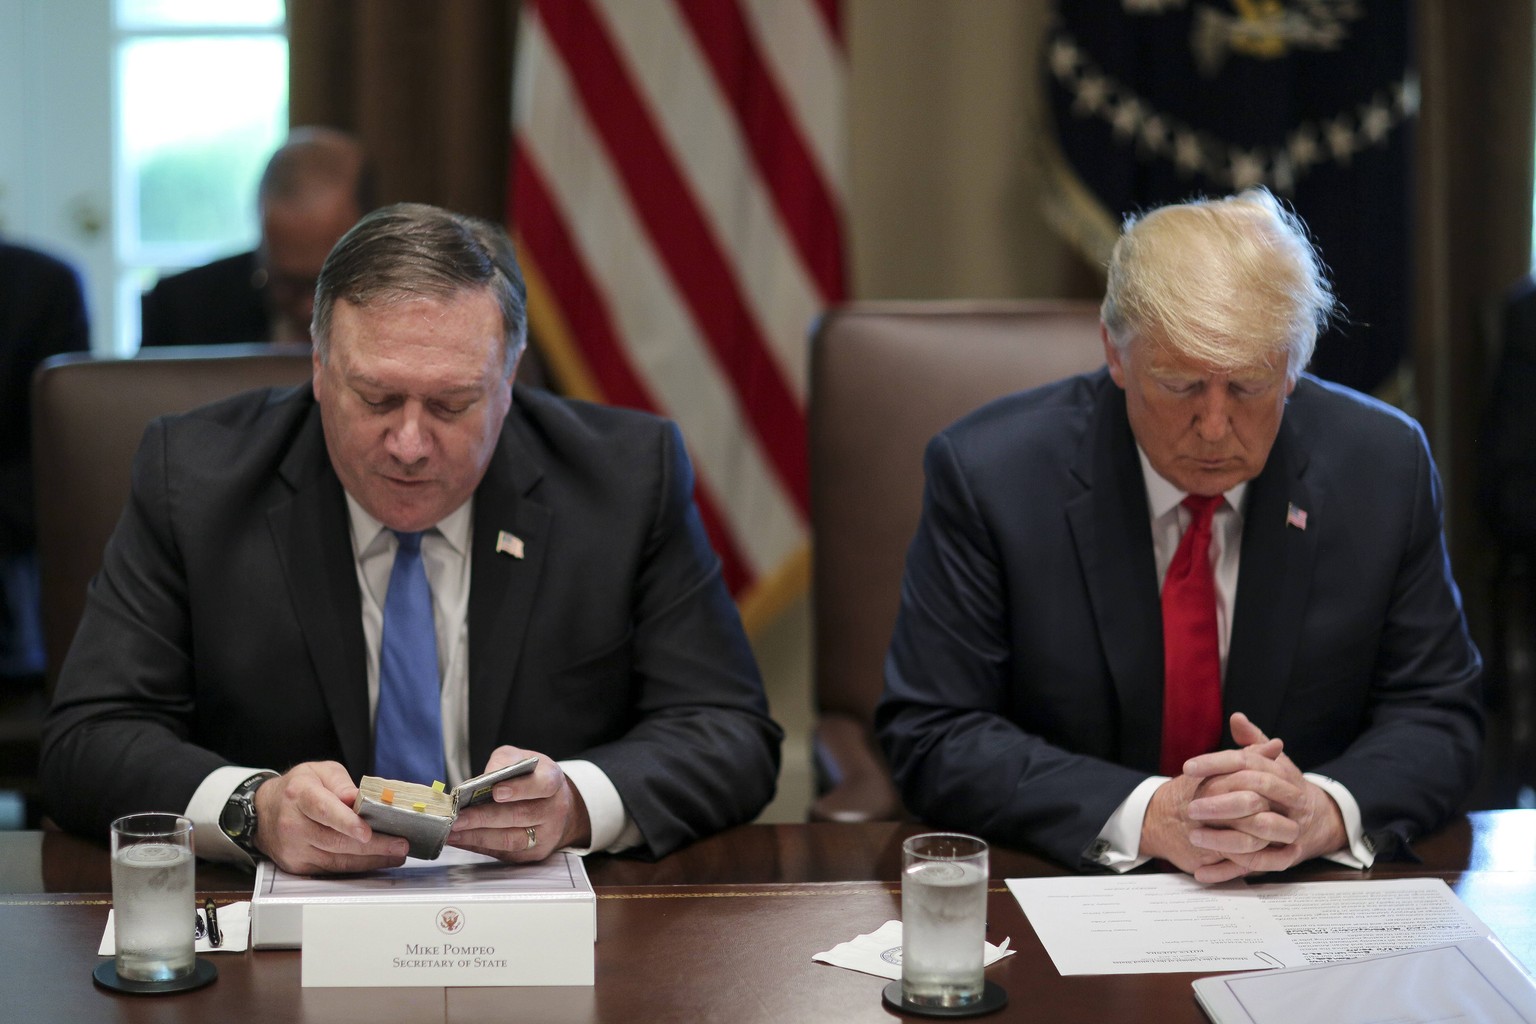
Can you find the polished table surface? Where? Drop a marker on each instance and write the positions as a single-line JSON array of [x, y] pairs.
[[721, 931]]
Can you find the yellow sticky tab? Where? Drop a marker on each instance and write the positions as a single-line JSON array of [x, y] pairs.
[[438, 787], [418, 807], [387, 795]]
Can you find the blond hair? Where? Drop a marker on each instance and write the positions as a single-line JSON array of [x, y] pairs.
[[1231, 283]]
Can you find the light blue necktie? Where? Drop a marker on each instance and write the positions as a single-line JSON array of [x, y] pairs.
[[408, 728]]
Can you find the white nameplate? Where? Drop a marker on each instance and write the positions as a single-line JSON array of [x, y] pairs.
[[447, 943]]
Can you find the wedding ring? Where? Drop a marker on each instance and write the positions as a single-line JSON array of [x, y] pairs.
[[533, 837]]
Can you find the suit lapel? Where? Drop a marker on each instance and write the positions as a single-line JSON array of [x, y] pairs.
[[314, 545], [1109, 522], [1274, 576], [502, 585]]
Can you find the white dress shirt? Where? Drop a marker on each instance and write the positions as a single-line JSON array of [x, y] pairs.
[[445, 555], [1120, 839]]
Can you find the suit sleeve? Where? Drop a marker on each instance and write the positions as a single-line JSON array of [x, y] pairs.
[[702, 753], [115, 740], [957, 753], [1416, 757]]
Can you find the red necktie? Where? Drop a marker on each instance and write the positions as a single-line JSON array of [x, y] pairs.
[[1191, 649]]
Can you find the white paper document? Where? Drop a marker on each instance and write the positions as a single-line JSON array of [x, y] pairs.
[[1148, 924], [1470, 981]]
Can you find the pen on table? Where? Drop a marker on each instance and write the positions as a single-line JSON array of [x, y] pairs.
[[214, 938]]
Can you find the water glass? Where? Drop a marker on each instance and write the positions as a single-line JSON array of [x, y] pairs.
[[943, 919], [153, 898]]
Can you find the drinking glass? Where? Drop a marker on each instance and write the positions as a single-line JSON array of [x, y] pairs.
[[152, 897], [943, 919]]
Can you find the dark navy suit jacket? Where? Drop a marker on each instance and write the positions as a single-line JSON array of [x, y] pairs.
[[225, 626], [215, 304], [1024, 683]]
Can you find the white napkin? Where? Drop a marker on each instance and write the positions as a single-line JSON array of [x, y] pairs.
[[879, 952], [234, 930]]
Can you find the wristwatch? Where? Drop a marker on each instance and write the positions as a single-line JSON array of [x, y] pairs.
[[238, 819]]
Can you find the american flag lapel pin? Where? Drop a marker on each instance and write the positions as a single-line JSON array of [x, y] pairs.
[[1296, 517], [511, 544]]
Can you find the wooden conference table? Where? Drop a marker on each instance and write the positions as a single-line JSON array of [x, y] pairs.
[[721, 931]]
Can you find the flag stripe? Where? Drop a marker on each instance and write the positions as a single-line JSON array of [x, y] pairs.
[[833, 18], [647, 326], [807, 63], [799, 192], [543, 232], [699, 270], [678, 193], [702, 131]]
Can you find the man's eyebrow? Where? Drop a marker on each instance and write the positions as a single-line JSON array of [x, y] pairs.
[[357, 380]]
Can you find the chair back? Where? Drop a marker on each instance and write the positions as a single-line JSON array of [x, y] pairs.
[[88, 416], [884, 378]]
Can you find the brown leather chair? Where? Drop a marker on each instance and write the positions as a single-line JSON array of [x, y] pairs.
[[88, 416], [884, 378]]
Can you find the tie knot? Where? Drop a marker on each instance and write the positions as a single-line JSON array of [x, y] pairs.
[[1202, 506], [409, 542]]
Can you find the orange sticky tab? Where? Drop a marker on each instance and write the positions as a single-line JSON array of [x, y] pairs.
[[387, 796]]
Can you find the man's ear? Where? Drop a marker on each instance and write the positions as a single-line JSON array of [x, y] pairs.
[[1112, 356]]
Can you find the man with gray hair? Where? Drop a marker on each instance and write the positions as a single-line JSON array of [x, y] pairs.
[[1195, 606], [412, 569]]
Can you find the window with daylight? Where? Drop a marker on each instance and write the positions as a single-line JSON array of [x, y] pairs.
[[201, 101]]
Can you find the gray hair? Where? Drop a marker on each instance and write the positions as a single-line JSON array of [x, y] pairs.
[[1229, 282], [412, 251]]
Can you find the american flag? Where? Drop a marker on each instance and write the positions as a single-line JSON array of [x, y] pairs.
[[1296, 517], [677, 190]]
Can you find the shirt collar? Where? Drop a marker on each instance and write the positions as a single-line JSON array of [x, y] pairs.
[[1163, 497], [367, 532]]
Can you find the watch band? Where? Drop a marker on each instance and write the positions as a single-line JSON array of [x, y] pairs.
[[239, 818]]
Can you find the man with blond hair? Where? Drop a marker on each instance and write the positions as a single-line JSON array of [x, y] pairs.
[[1194, 606]]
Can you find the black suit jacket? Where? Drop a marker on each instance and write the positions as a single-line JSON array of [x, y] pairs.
[[225, 625], [1507, 442], [42, 314], [215, 304], [1024, 682]]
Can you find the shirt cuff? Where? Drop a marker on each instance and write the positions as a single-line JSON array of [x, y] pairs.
[[207, 807], [1359, 853], [612, 829], [1118, 846]]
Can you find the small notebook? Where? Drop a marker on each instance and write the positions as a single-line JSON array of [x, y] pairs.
[[424, 815]]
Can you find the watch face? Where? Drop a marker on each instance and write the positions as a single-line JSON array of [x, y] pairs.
[[234, 820]]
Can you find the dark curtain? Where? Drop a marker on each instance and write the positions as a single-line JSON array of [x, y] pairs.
[[1473, 233], [426, 86]]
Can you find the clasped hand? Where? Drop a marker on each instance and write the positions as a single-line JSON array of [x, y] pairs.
[[308, 825], [1239, 812]]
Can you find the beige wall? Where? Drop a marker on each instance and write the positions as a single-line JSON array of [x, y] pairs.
[[943, 191]]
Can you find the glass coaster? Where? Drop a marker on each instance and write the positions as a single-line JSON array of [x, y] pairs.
[[202, 973], [993, 997]]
